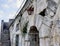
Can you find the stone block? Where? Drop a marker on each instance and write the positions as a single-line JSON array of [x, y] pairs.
[[44, 31], [47, 21], [56, 41], [42, 4], [27, 43], [52, 4], [45, 42], [31, 20], [56, 32], [49, 13], [39, 20]]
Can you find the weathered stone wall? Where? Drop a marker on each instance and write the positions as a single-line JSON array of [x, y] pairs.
[[48, 23]]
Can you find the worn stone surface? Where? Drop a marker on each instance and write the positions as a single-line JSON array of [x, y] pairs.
[[44, 31], [47, 24], [45, 42]]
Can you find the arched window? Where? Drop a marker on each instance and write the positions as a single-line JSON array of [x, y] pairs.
[[34, 36]]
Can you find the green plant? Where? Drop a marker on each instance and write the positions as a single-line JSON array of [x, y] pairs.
[[24, 31]]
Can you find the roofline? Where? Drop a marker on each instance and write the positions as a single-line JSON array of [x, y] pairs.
[[18, 13]]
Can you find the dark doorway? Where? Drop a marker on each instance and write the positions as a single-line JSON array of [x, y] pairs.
[[34, 36]]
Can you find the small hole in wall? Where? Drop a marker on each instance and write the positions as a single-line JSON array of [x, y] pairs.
[[21, 15], [19, 20], [54, 13], [42, 13]]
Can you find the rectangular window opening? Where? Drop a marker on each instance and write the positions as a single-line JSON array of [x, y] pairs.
[[17, 27], [17, 40]]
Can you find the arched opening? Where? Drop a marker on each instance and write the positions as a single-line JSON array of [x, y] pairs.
[[34, 36]]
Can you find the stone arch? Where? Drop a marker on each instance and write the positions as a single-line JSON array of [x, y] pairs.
[[34, 36]]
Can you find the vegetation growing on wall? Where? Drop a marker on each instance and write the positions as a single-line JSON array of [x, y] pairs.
[[24, 31]]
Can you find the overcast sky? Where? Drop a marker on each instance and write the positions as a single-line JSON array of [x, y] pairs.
[[8, 8]]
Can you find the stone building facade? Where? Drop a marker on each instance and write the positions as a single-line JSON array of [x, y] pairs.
[[36, 24], [5, 33]]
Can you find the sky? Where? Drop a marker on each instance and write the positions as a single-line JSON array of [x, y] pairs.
[[8, 8]]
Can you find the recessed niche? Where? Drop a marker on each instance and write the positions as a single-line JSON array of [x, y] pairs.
[[30, 10], [42, 13]]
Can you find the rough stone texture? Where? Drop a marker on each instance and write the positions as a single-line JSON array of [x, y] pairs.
[[45, 42], [44, 31], [48, 24]]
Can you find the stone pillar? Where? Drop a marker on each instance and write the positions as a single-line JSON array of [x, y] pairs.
[[44, 35]]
